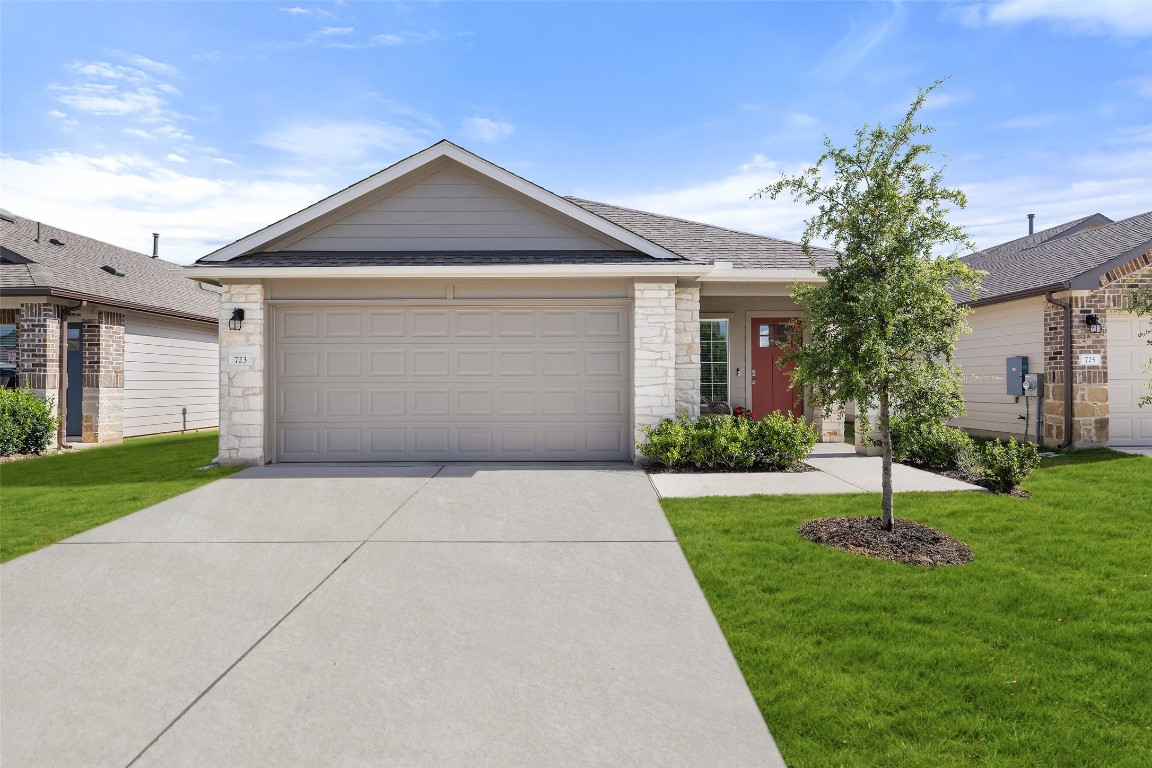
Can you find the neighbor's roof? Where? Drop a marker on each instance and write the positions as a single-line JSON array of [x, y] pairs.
[[1061, 257], [69, 265], [705, 243]]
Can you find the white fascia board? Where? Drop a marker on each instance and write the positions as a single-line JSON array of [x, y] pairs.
[[677, 270], [761, 276], [444, 149]]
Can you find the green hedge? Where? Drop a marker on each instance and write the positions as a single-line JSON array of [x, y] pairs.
[[26, 423], [1005, 465], [774, 443], [932, 445]]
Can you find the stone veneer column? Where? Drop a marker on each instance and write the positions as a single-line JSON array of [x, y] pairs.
[[653, 354], [103, 353], [40, 351], [831, 423], [242, 398], [688, 350]]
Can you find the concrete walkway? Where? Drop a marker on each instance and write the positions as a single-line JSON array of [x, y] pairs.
[[841, 470], [480, 615]]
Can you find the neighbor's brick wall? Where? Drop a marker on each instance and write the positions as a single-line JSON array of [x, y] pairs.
[[39, 334], [103, 354], [654, 354], [242, 399], [688, 350], [1089, 383]]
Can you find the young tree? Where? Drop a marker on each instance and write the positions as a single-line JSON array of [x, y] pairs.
[[883, 327]]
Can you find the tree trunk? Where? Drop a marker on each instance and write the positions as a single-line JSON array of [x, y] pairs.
[[887, 520]]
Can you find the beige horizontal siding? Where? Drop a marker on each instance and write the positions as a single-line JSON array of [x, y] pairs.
[[449, 210], [999, 331], [170, 376]]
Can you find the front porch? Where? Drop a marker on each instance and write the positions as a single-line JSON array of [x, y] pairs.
[[742, 328]]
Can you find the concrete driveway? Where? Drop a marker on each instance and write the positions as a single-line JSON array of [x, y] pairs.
[[458, 615]]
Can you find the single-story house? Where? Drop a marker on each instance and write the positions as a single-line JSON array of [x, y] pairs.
[[1061, 298], [448, 309], [118, 341]]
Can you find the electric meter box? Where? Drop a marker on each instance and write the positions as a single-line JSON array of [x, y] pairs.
[[1033, 384], [1016, 368]]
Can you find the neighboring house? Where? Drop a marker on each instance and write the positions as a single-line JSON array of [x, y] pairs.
[[445, 308], [1091, 265], [122, 341]]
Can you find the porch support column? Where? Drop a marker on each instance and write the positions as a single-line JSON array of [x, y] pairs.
[[102, 349], [688, 350], [242, 399], [653, 354], [40, 352]]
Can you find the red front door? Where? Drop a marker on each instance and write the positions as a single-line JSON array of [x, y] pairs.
[[771, 387]]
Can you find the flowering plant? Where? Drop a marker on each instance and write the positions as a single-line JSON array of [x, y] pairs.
[[742, 412]]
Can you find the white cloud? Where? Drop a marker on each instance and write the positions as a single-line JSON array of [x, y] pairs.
[[139, 133], [175, 158], [728, 202], [194, 214], [57, 114], [1122, 18], [859, 41], [1143, 86], [344, 141], [295, 11], [329, 31], [485, 130], [802, 120], [1028, 122]]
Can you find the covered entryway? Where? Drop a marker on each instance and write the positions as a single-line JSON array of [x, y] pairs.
[[1127, 354], [536, 381]]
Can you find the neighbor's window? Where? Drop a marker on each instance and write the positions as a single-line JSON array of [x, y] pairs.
[[714, 360]]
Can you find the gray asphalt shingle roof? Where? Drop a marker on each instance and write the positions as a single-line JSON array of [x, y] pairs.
[[73, 264], [705, 243], [1059, 255]]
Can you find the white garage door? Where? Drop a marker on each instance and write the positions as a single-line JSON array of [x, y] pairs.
[[1127, 353], [460, 383]]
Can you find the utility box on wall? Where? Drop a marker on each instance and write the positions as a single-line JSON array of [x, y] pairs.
[[1016, 368], [1033, 384]]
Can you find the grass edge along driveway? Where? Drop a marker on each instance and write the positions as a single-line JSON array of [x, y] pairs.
[[1034, 654], [49, 498]]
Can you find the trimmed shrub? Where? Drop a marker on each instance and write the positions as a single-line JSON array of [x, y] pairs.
[[932, 445], [774, 443], [26, 423], [1005, 465]]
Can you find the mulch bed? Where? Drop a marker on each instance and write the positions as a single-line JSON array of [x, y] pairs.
[[909, 543]]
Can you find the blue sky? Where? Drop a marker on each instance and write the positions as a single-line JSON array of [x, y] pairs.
[[207, 120]]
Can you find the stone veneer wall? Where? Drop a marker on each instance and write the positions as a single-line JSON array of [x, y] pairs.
[[688, 350], [242, 398], [1089, 383], [39, 334], [103, 355], [653, 354]]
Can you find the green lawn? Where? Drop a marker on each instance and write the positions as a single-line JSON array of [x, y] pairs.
[[49, 498], [1039, 653]]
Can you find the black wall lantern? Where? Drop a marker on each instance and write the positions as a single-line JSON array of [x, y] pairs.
[[236, 320], [1093, 324]]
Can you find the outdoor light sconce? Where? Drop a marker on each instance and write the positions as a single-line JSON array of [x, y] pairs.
[[236, 320], [1093, 324]]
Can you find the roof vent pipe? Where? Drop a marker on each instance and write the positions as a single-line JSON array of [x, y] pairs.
[[1031, 221], [37, 231], [155, 244]]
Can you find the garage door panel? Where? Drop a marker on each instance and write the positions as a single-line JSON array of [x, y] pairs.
[[474, 383]]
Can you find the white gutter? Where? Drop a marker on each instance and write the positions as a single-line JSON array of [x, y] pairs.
[[721, 274], [680, 269]]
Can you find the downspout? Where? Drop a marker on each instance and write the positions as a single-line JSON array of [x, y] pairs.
[[1067, 307]]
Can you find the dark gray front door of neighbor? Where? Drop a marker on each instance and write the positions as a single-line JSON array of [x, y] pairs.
[[75, 383]]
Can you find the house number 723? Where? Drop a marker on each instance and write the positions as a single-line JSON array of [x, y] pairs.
[[239, 360]]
